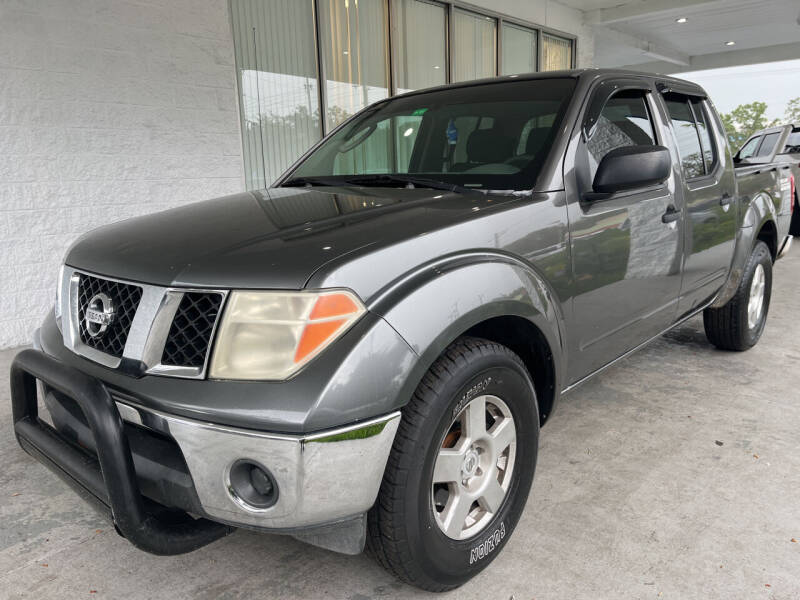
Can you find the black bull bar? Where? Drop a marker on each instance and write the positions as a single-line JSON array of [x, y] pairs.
[[108, 481]]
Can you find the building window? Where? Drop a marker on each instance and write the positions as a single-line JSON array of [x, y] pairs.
[[519, 50], [556, 53], [354, 56], [420, 44], [474, 46], [276, 66], [305, 66]]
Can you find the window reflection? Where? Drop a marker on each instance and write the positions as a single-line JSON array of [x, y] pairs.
[[279, 98]]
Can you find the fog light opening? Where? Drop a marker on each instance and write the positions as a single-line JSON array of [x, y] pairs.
[[252, 485]]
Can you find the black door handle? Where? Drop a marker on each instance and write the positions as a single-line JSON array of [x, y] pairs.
[[671, 215], [726, 199]]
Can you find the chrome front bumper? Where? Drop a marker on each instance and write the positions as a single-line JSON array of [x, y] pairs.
[[322, 478]]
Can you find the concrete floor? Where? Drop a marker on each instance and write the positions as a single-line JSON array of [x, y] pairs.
[[673, 475]]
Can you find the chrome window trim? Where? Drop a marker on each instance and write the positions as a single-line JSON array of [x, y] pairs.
[[149, 328]]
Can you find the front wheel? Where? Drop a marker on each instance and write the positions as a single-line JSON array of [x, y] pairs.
[[738, 325], [460, 469]]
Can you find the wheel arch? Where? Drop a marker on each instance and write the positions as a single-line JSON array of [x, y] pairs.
[[759, 223], [526, 340], [768, 233], [500, 299]]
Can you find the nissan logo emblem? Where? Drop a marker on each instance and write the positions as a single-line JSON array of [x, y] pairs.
[[99, 315]]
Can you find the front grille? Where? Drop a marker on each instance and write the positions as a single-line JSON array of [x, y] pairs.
[[190, 334], [125, 300]]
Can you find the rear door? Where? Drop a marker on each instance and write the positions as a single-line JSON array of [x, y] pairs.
[[708, 190], [626, 261]]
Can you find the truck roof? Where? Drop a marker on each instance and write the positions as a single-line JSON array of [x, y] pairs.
[[682, 84]]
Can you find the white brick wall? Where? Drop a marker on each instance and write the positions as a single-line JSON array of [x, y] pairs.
[[108, 109]]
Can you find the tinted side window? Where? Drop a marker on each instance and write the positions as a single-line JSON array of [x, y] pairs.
[[749, 149], [709, 149], [792, 143], [686, 135], [624, 121], [768, 145]]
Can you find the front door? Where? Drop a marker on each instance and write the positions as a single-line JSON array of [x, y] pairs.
[[626, 260]]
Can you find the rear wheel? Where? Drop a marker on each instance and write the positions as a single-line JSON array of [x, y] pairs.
[[738, 325], [460, 469]]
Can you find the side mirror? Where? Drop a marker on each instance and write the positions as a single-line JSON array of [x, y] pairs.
[[631, 167]]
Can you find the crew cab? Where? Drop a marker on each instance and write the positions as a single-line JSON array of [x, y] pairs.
[[364, 353]]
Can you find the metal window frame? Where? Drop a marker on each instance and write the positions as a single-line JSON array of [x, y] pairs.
[[389, 46]]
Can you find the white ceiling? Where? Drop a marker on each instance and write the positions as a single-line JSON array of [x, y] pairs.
[[591, 4], [645, 32]]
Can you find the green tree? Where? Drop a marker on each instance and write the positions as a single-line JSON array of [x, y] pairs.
[[793, 112], [744, 120]]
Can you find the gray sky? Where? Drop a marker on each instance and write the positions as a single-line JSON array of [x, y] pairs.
[[774, 83]]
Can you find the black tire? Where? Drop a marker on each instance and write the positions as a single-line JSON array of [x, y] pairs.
[[403, 533], [727, 327]]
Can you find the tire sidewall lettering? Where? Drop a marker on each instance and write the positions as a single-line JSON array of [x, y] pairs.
[[488, 545]]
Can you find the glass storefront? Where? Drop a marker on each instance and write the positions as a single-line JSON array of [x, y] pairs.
[[278, 87], [419, 30], [474, 46], [519, 50], [556, 53], [354, 56], [362, 51]]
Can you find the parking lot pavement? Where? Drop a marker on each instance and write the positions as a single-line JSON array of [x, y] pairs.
[[675, 474]]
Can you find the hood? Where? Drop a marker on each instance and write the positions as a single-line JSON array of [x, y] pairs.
[[267, 239]]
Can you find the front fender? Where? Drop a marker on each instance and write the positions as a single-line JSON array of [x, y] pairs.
[[433, 307]]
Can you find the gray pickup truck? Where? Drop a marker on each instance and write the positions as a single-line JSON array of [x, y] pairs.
[[363, 354], [768, 147]]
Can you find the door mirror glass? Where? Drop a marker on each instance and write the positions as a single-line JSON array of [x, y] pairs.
[[632, 167]]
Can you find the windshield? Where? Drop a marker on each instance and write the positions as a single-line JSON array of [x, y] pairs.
[[493, 136]]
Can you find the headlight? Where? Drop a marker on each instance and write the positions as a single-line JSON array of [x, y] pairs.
[[270, 335], [57, 308]]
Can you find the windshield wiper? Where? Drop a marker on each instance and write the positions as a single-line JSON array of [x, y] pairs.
[[380, 180], [409, 181], [303, 181]]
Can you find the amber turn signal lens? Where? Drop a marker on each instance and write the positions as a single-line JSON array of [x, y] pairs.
[[314, 336], [333, 305], [330, 313]]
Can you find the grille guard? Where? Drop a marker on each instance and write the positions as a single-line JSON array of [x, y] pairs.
[[109, 481]]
